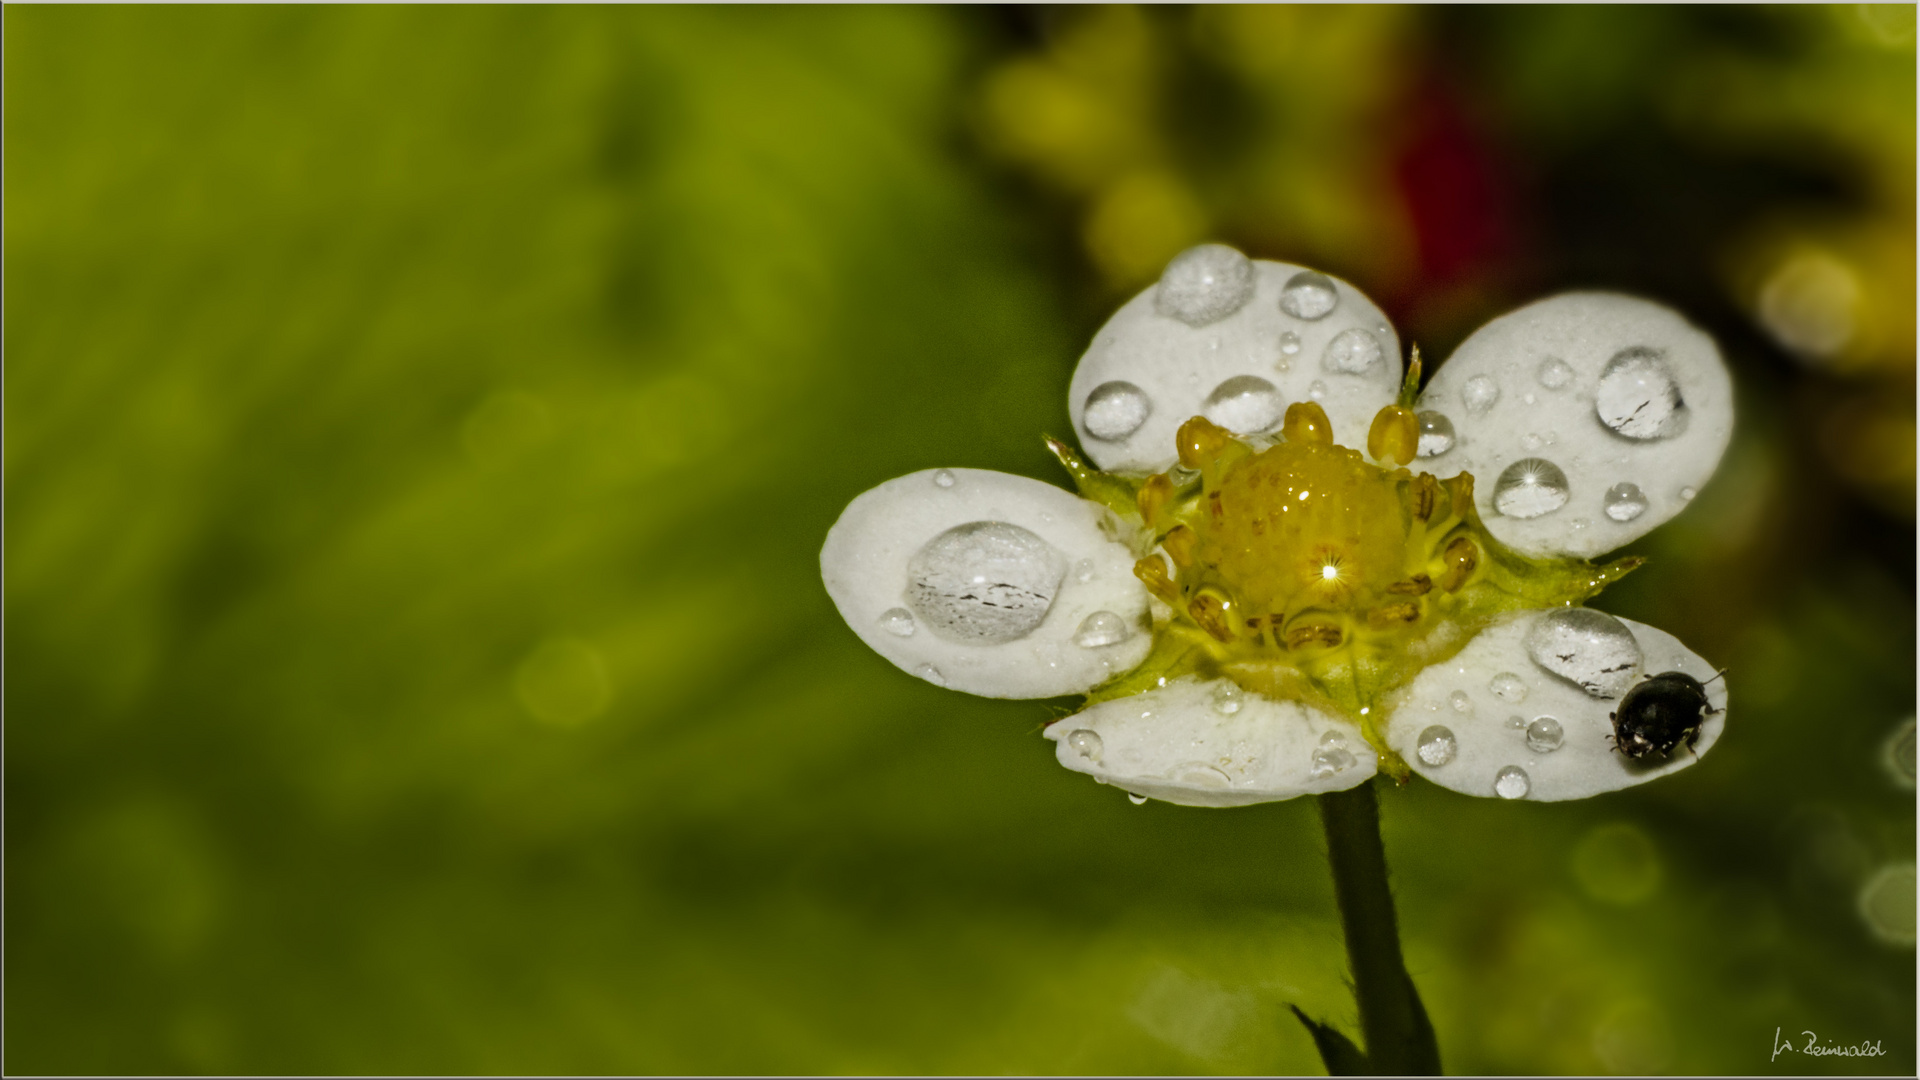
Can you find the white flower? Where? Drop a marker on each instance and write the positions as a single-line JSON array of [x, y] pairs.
[[1261, 599]]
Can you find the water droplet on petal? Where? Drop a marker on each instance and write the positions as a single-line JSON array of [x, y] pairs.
[[1227, 699], [1479, 394], [984, 582], [1591, 649], [897, 621], [1625, 502], [1245, 404], [1088, 744], [943, 478], [1687, 494], [1309, 295], [1512, 783], [1333, 737], [1436, 434], [1204, 284], [1531, 442], [1517, 723], [1318, 391], [1083, 571], [1115, 410], [1554, 373], [1351, 352], [1195, 774], [1638, 396], [1289, 343], [1508, 687], [1544, 735], [931, 674], [1461, 702], [1101, 628], [1529, 488], [1329, 760], [1437, 745], [1137, 800]]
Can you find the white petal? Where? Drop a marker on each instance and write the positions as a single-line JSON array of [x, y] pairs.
[[1212, 744], [1149, 370], [1632, 447], [1477, 695], [1003, 617]]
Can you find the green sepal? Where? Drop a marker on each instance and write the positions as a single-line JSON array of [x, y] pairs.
[[1337, 1052], [1410, 386], [1115, 491]]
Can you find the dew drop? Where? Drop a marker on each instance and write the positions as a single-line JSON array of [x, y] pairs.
[[1351, 352], [1329, 760], [1638, 396], [1461, 702], [1332, 737], [1137, 800], [1531, 442], [1544, 735], [1196, 774], [1517, 723], [1437, 745], [1115, 410], [1289, 343], [1309, 295], [1625, 502], [1436, 434], [1554, 373], [1088, 744], [897, 621], [1083, 571], [1479, 394], [984, 582], [1204, 284], [1244, 404], [1227, 699], [1508, 687], [1529, 488], [1591, 649], [1687, 494], [1101, 628], [1512, 783], [931, 674], [1318, 391]]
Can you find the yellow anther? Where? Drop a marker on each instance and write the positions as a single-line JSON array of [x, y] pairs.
[[1155, 494], [1179, 545], [1152, 572], [1461, 556], [1199, 441], [1395, 435], [1393, 614], [1314, 635], [1213, 612], [1307, 422]]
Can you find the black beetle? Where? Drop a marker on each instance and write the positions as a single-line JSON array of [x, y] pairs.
[[1659, 713]]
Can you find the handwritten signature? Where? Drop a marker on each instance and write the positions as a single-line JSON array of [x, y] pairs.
[[1816, 1048]]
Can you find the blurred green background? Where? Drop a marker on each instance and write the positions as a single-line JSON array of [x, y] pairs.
[[421, 425]]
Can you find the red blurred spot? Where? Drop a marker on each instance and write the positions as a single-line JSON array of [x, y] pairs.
[[1458, 191]]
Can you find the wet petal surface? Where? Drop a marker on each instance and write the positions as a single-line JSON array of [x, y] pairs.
[[994, 584]]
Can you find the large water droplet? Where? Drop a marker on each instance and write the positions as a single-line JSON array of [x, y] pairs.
[[1088, 744], [1329, 760], [984, 582], [1625, 502], [1437, 745], [1529, 488], [1115, 410], [931, 674], [1638, 396], [1591, 649], [1195, 774], [1544, 735], [1554, 373], [1512, 783], [1436, 434], [1351, 352], [1289, 344], [1479, 394], [1101, 628], [897, 621], [1227, 699], [1309, 295], [1245, 404], [1204, 284], [1508, 687], [1137, 800]]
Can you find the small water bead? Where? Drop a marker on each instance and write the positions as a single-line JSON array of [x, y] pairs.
[[1591, 649], [1437, 745], [1517, 723], [1638, 396], [1479, 394], [1436, 434], [1137, 800], [1554, 373], [897, 621], [931, 674], [1528, 398], [1289, 343], [1625, 502], [1329, 760], [1088, 744], [1332, 738], [1687, 494], [1083, 571], [1529, 488], [1099, 629], [1531, 442], [984, 582], [1544, 735], [1508, 687], [1196, 774], [1318, 391], [1309, 295], [1512, 783], [943, 478], [1115, 410], [1227, 699], [1461, 702], [1245, 404], [1352, 352], [1204, 284]]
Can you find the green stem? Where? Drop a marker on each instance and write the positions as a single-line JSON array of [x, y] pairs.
[[1399, 1039]]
